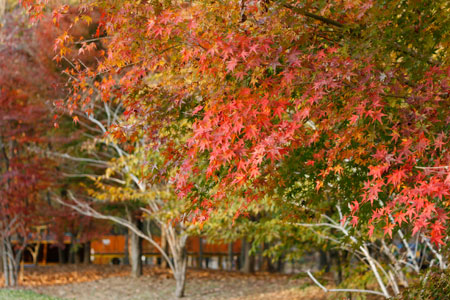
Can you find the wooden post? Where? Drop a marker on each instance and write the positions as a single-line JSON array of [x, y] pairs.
[[44, 253], [200, 253], [21, 270], [87, 253], [126, 252], [71, 259], [220, 262]]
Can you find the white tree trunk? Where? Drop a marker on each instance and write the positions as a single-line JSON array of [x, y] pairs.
[[176, 238], [135, 253], [180, 261]]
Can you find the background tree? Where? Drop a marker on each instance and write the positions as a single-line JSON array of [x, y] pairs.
[[26, 80], [112, 164]]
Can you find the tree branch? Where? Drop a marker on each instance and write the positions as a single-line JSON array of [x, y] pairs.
[[87, 210], [303, 12], [341, 290]]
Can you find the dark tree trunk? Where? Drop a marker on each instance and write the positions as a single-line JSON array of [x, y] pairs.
[[126, 253], [200, 253], [260, 258], [241, 258], [249, 265], [71, 259], [61, 256], [338, 273], [267, 265], [324, 261], [280, 264], [230, 256], [249, 260], [76, 254], [87, 253], [220, 262]]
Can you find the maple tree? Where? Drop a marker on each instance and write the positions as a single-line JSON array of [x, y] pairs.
[[114, 186], [364, 84], [25, 175], [29, 81]]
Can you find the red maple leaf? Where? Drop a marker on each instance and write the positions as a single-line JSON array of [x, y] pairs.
[[388, 229], [231, 64], [400, 217], [396, 177]]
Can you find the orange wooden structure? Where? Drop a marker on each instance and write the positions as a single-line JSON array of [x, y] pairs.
[[109, 249], [43, 246], [112, 247]]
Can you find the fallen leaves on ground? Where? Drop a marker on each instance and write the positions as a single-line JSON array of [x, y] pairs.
[[99, 282]]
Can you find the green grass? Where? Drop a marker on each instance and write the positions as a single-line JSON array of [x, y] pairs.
[[23, 295]]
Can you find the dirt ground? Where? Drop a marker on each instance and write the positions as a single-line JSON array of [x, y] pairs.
[[113, 283]]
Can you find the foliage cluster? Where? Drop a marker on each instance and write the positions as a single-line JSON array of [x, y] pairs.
[[436, 286]]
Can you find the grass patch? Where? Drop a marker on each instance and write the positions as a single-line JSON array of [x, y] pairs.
[[23, 295]]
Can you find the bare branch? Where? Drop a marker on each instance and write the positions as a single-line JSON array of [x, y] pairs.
[[440, 258], [341, 290], [80, 159], [93, 177], [432, 168], [87, 210], [92, 40]]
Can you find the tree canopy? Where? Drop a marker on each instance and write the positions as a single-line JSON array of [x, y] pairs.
[[364, 84]]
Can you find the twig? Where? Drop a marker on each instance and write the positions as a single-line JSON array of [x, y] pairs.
[[437, 167], [92, 40], [302, 11]]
